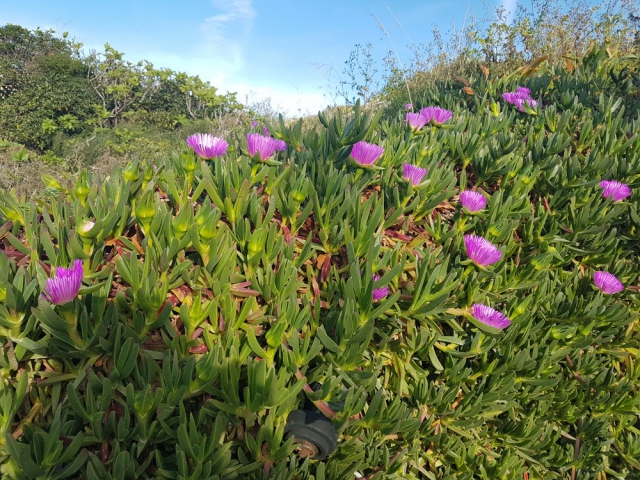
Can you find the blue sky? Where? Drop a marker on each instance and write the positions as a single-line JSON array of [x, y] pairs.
[[292, 52]]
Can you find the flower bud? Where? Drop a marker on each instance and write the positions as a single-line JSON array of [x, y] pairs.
[[299, 191], [131, 172], [203, 213], [189, 163], [88, 229], [148, 175], [51, 183], [182, 222], [82, 186], [495, 109], [209, 228], [257, 242], [145, 208]]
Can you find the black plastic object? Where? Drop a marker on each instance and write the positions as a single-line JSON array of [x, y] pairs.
[[315, 434]]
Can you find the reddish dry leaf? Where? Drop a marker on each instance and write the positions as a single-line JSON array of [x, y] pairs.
[[315, 287], [462, 80], [326, 266], [136, 244], [176, 323], [239, 291], [399, 236], [320, 259], [45, 267], [182, 292], [287, 235], [104, 451], [5, 229], [202, 348]]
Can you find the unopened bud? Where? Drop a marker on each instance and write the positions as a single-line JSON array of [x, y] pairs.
[[495, 109], [131, 172]]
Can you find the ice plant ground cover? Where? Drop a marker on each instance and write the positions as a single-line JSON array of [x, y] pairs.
[[217, 296]]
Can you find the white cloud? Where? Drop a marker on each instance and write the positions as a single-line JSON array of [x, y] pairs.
[[220, 57], [288, 100], [225, 36]]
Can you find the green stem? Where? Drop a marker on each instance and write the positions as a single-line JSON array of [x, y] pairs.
[[69, 316]]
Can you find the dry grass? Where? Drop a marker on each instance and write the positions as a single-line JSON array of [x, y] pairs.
[[25, 177]]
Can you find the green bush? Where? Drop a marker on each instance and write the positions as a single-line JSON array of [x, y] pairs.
[[54, 97], [219, 296]]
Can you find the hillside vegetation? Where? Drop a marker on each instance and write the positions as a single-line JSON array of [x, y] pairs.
[[448, 289]]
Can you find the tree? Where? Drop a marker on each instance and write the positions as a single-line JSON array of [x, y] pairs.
[[119, 83]]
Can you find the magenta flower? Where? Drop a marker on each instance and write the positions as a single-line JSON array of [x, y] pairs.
[[607, 282], [512, 97], [437, 114], [207, 146], [379, 293], [281, 145], [416, 121], [481, 251], [254, 123], [472, 201], [518, 98], [413, 174], [263, 145], [65, 284], [614, 190], [265, 130], [366, 153], [408, 106], [489, 316]]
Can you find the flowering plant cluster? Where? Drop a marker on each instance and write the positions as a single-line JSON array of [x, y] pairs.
[[520, 98], [348, 300], [434, 115]]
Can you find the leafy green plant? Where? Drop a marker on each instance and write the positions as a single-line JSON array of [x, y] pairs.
[[164, 320]]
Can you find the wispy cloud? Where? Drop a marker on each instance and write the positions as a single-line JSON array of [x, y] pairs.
[[290, 100], [225, 36]]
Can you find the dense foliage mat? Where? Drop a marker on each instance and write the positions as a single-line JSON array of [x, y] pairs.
[[164, 321]]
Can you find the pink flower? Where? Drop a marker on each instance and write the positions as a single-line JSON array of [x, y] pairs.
[[379, 293], [65, 284], [616, 191], [489, 316], [366, 153], [281, 145], [413, 174], [416, 121], [518, 98], [408, 106], [265, 146], [472, 201], [437, 114], [481, 251], [607, 282], [207, 146]]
